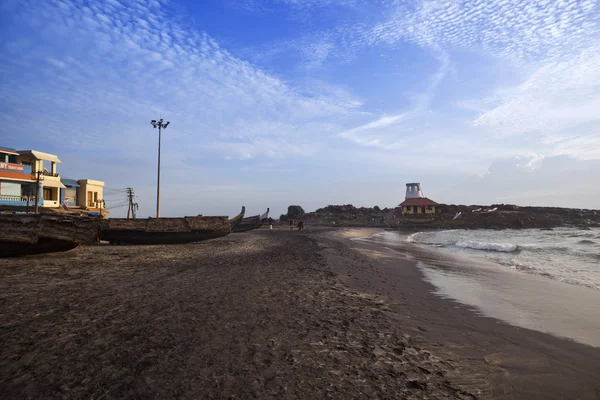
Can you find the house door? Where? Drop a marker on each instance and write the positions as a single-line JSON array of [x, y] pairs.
[[423, 209], [90, 200], [47, 194]]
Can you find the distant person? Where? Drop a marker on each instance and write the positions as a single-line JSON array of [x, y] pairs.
[[301, 225], [291, 224], [270, 224]]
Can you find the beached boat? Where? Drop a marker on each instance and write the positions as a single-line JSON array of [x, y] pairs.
[[250, 223], [237, 220], [24, 234], [167, 230]]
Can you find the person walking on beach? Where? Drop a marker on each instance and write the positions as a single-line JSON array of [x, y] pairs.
[[270, 224], [301, 225], [291, 224]]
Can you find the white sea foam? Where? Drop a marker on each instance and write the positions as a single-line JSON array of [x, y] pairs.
[[569, 255], [413, 238], [471, 244]]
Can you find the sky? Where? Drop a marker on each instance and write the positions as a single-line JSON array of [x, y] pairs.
[[309, 102]]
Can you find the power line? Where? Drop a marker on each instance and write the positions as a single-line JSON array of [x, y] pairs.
[[117, 206], [116, 190]]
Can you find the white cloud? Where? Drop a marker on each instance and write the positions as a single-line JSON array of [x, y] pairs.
[[559, 95], [513, 29], [555, 181], [384, 132], [554, 45], [121, 66], [95, 73]]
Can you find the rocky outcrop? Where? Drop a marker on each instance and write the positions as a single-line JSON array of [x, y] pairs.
[[496, 216]]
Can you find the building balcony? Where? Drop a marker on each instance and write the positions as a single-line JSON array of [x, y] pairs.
[[9, 200], [10, 167], [47, 173]]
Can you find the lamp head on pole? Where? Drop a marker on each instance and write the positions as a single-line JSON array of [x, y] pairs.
[[159, 123]]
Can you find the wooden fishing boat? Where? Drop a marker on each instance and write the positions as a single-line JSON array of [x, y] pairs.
[[167, 230], [250, 223], [237, 220], [25, 234]]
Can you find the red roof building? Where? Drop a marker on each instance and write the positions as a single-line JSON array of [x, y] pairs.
[[415, 202], [420, 201]]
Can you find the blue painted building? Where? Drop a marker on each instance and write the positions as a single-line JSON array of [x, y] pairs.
[[17, 184], [21, 169], [68, 195]]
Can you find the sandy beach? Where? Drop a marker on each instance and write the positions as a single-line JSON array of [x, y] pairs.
[[263, 315]]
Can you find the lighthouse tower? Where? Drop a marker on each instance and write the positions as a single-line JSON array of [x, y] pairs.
[[413, 191]]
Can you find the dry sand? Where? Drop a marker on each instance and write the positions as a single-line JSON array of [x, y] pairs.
[[261, 315]]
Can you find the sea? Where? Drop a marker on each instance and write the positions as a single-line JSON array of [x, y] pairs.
[[564, 254], [545, 280]]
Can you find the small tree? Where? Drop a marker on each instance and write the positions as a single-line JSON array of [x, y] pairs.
[[376, 208], [295, 212]]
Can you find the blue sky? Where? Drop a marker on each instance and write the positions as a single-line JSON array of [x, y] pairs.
[[310, 102]]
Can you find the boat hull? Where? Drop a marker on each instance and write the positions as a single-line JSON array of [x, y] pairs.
[[133, 237], [25, 234], [167, 230], [43, 245], [251, 223]]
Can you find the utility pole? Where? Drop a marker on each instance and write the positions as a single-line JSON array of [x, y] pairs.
[[37, 190], [160, 125], [130, 203], [132, 207], [101, 203], [28, 194]]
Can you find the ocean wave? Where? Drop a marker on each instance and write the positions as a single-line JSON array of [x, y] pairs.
[[586, 241], [532, 270], [412, 238], [502, 247]]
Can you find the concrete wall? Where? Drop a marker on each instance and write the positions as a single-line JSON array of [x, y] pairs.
[[36, 165], [86, 186], [53, 201], [68, 196]]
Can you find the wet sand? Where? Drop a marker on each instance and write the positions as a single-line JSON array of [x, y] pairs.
[[263, 315], [521, 299], [490, 358]]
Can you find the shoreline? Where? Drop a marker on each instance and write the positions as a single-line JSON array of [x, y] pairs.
[[513, 296], [264, 315], [501, 360]]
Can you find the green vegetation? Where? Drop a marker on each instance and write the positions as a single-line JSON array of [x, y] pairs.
[[294, 212]]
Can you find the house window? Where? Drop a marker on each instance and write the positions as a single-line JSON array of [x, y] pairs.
[[429, 208], [47, 194]]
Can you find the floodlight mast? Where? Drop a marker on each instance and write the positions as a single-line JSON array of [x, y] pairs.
[[160, 125]]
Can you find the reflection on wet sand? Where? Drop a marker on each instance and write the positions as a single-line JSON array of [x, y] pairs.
[[523, 300]]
